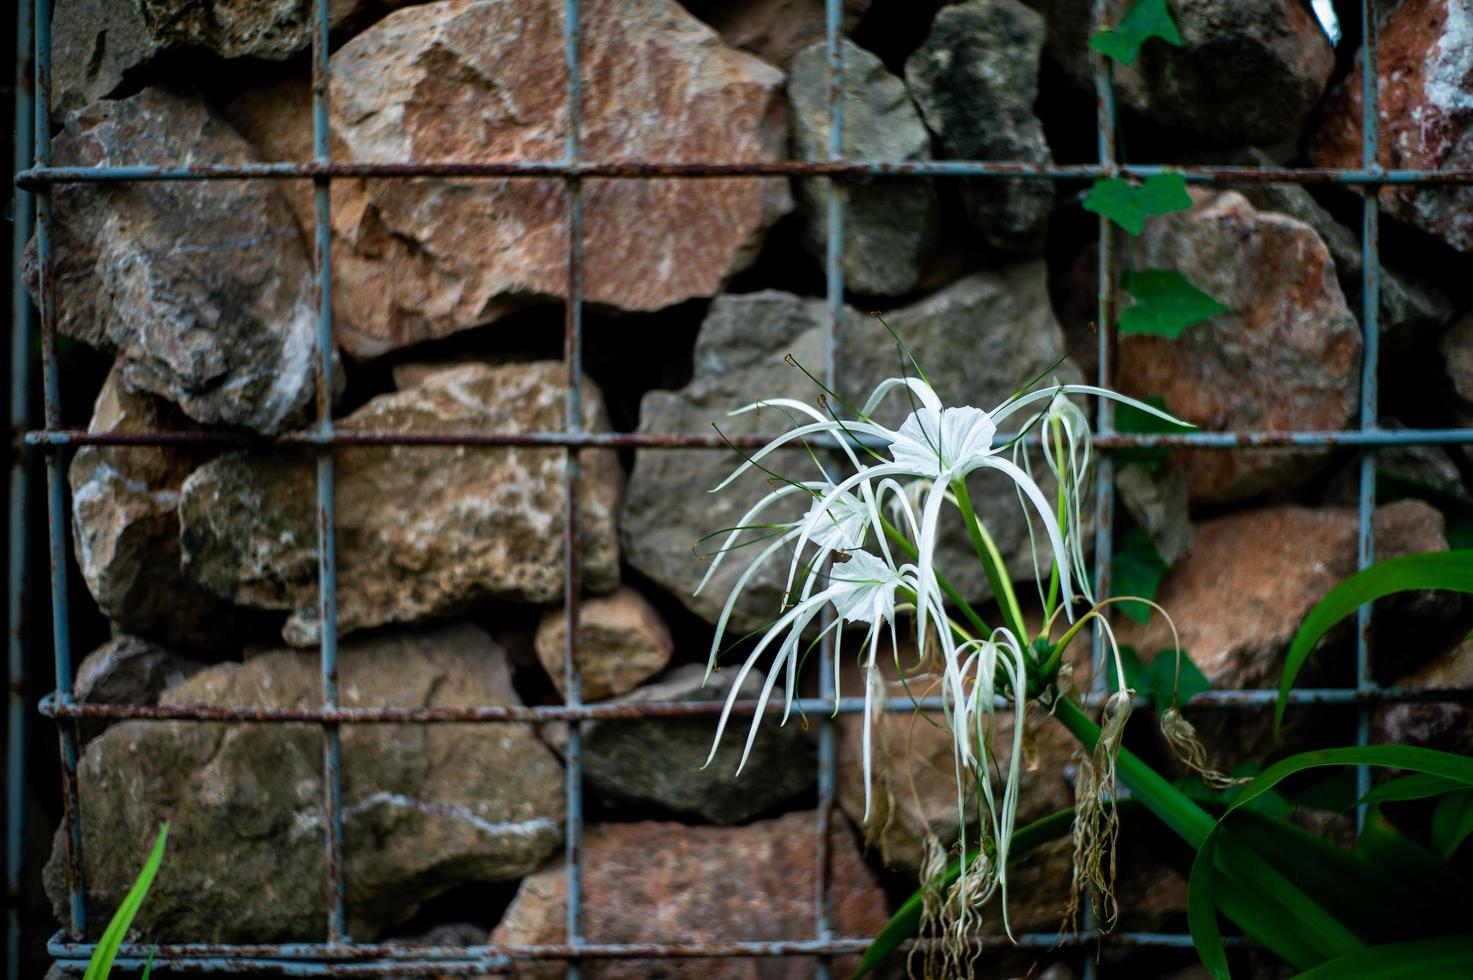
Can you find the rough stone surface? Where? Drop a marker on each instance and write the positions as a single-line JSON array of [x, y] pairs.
[[1001, 318], [663, 882], [890, 225], [1456, 348], [97, 45], [128, 670], [1445, 726], [125, 525], [1157, 500], [1424, 54], [1411, 308], [421, 531], [203, 288], [975, 79], [426, 808], [657, 762], [1286, 356], [483, 80], [1249, 71], [1250, 578], [622, 642], [773, 30]]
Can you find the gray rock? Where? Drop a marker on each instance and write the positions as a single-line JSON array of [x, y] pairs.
[[1447, 726], [128, 670], [1411, 307], [1456, 348], [1249, 71], [426, 807], [975, 79], [622, 642], [125, 526], [203, 288], [1000, 318], [422, 531], [1157, 499], [890, 225], [657, 762]]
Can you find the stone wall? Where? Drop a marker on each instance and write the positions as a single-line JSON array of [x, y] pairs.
[[447, 300]]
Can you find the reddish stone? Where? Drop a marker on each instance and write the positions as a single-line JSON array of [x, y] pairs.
[[665, 882], [1286, 355], [1446, 726], [484, 80], [1424, 56]]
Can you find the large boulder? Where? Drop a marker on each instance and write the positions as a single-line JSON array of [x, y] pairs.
[[125, 526], [890, 224], [1424, 71], [1248, 71], [484, 80], [128, 670], [622, 642], [425, 807], [1285, 356], [204, 288], [659, 763], [774, 30], [421, 531], [666, 882], [975, 79], [999, 318], [1445, 725]]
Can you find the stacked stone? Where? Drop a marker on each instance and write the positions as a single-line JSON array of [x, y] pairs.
[[450, 559]]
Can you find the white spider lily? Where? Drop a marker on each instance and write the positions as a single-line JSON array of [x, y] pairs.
[[1068, 454]]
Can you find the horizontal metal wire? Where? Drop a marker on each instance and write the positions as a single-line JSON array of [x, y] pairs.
[[38, 177], [1256, 439], [53, 706]]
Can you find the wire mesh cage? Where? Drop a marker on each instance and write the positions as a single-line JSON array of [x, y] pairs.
[[338, 955]]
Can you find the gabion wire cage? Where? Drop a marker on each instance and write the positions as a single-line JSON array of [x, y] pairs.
[[338, 955]]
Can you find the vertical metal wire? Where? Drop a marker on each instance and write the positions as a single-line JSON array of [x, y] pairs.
[[55, 479], [22, 323], [1370, 363], [573, 423], [823, 898], [327, 567]]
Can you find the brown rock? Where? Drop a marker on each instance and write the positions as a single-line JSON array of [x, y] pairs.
[[422, 531], [203, 288], [1286, 356], [125, 527], [1439, 725], [1456, 347], [1250, 578], [426, 807], [773, 30], [1424, 55], [622, 641], [428, 258], [128, 670], [664, 882]]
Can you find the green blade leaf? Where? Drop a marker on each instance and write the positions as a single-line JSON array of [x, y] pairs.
[[101, 963], [148, 967], [1430, 959], [1417, 787], [1384, 845], [1452, 822], [1128, 205], [1448, 570], [1145, 20], [1136, 569], [1166, 304]]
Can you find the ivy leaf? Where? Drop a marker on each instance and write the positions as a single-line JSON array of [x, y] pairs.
[[1145, 20], [1136, 569], [1138, 675], [1128, 418], [1128, 205], [1191, 682], [1166, 304]]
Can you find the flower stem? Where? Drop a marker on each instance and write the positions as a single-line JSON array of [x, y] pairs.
[[992, 563], [905, 545]]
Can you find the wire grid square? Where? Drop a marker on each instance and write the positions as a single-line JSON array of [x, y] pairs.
[[339, 956]]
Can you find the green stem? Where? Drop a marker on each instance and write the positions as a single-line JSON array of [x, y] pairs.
[[992, 563], [951, 593]]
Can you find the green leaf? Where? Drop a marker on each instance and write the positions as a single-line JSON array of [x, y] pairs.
[[1201, 902], [1128, 205], [1448, 570], [1452, 822], [1445, 958], [148, 967], [1138, 676], [1128, 418], [1384, 845], [1191, 682], [1166, 304], [1145, 20], [1136, 569], [101, 963], [1417, 787]]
